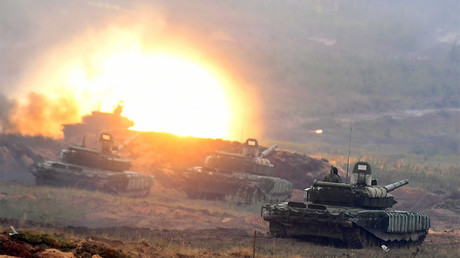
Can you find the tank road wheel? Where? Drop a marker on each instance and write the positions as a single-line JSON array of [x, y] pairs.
[[367, 239], [420, 240], [193, 194], [277, 230], [248, 195], [258, 196], [358, 238], [351, 238], [214, 196], [146, 192], [220, 197], [39, 180]]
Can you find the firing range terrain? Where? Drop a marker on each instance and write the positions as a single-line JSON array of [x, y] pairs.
[[170, 223], [390, 66]]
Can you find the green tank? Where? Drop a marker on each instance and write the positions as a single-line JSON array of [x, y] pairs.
[[93, 169], [243, 176], [356, 213]]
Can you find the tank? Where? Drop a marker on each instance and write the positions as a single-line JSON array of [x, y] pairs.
[[94, 169], [355, 213], [98, 122], [240, 176]]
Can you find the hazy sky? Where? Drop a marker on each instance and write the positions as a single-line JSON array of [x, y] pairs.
[[257, 41]]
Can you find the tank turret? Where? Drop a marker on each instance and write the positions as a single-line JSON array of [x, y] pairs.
[[359, 193], [250, 160]]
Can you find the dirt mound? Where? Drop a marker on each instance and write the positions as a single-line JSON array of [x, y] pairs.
[[440, 207], [416, 199], [86, 242], [299, 168], [37, 244], [451, 202]]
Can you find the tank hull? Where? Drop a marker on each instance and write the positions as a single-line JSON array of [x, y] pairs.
[[124, 183], [355, 227]]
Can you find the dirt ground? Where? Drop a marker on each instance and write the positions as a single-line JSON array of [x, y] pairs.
[[167, 223]]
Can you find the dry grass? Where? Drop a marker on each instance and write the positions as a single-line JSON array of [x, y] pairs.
[[167, 208], [265, 247]]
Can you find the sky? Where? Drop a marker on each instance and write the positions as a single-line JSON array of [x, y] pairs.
[[52, 54]]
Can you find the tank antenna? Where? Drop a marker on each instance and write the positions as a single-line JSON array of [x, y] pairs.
[[83, 143], [349, 144], [243, 124]]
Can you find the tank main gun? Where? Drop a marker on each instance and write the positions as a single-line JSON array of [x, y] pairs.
[[268, 151], [330, 184], [388, 188], [132, 138], [394, 186]]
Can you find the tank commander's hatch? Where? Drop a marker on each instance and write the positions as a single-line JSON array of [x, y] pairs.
[[362, 174]]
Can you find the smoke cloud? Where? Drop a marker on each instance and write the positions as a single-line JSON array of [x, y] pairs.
[[38, 116], [57, 54]]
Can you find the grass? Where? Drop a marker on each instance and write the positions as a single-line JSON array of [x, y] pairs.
[[54, 206], [264, 247], [40, 204], [69, 206], [271, 247], [243, 247]]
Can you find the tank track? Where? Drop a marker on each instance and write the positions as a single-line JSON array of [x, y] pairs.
[[406, 243], [134, 194], [277, 230], [357, 238], [43, 180], [244, 195], [194, 194], [248, 195]]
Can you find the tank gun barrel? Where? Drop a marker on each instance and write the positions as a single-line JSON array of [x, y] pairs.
[[230, 154], [268, 151], [132, 138], [330, 184], [396, 185]]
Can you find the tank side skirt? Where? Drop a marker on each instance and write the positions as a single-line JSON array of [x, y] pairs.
[[302, 222], [125, 183], [309, 222]]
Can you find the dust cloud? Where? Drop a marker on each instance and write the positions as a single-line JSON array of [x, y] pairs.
[[55, 54], [40, 115]]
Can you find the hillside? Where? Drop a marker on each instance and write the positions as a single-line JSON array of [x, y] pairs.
[[168, 223]]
